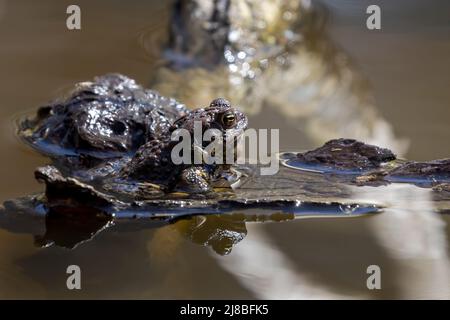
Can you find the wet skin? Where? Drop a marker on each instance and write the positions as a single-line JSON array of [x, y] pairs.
[[106, 118], [100, 125], [153, 160]]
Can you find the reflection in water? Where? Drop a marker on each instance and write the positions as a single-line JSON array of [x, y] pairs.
[[414, 235], [223, 232], [264, 270], [68, 226], [220, 233]]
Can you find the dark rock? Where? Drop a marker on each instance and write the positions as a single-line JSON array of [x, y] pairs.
[[439, 169]]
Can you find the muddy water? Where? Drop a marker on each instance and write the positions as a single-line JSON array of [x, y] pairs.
[[407, 68]]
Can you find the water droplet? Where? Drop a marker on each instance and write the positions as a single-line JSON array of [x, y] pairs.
[[241, 55], [348, 208], [233, 67], [229, 56], [233, 36]]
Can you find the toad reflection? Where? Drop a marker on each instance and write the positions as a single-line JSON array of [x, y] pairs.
[[70, 227], [222, 232]]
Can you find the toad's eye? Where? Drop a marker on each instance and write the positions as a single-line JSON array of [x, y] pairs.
[[228, 119]]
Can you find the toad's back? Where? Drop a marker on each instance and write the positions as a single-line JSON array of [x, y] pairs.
[[109, 116]]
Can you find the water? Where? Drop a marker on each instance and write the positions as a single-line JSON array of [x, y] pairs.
[[406, 71]]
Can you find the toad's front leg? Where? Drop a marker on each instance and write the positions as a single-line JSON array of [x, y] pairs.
[[194, 179]]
